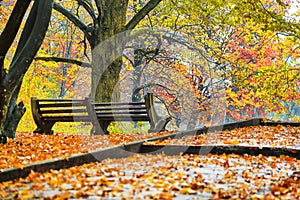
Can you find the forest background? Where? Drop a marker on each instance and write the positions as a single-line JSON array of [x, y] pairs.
[[214, 62]]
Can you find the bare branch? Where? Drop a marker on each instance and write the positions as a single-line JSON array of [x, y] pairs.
[[88, 8], [64, 60], [168, 90], [23, 59], [11, 29], [172, 39], [141, 14], [86, 30], [127, 58], [97, 2]]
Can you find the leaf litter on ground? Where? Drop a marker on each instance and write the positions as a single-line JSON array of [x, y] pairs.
[[260, 136], [27, 148], [158, 176], [161, 176]]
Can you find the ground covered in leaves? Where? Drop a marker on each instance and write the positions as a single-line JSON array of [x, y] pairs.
[[157, 176], [166, 177], [266, 136], [27, 148]]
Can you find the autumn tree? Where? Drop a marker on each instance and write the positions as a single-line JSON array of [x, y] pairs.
[[263, 76], [229, 40], [256, 55], [13, 70], [204, 26]]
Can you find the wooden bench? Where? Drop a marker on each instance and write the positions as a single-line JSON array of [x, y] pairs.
[[46, 112]]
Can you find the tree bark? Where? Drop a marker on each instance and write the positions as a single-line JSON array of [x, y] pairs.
[[10, 83], [107, 47], [10, 31], [107, 51]]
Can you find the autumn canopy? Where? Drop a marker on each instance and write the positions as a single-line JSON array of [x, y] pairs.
[[217, 61], [223, 76]]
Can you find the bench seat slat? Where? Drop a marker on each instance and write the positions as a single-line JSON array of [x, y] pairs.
[[55, 105], [123, 118], [105, 118], [120, 112], [64, 114], [67, 118], [73, 110], [125, 115], [59, 100], [120, 108], [86, 119], [118, 103]]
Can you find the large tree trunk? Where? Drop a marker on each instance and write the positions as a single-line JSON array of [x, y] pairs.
[[29, 43], [110, 35], [108, 86], [109, 43], [107, 48], [11, 113]]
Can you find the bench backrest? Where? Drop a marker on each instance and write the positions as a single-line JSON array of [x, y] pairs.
[[124, 111], [121, 111], [69, 110], [63, 110]]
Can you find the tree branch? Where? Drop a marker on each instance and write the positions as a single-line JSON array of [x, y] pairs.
[[64, 60], [172, 39], [86, 30], [168, 90], [23, 59], [141, 14], [127, 58], [97, 2], [31, 19], [11, 29], [88, 8]]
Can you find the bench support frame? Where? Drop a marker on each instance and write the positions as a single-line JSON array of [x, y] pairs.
[[157, 124], [42, 126]]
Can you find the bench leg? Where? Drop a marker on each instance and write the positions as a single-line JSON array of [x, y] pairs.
[[160, 125], [103, 128], [45, 128], [104, 125]]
